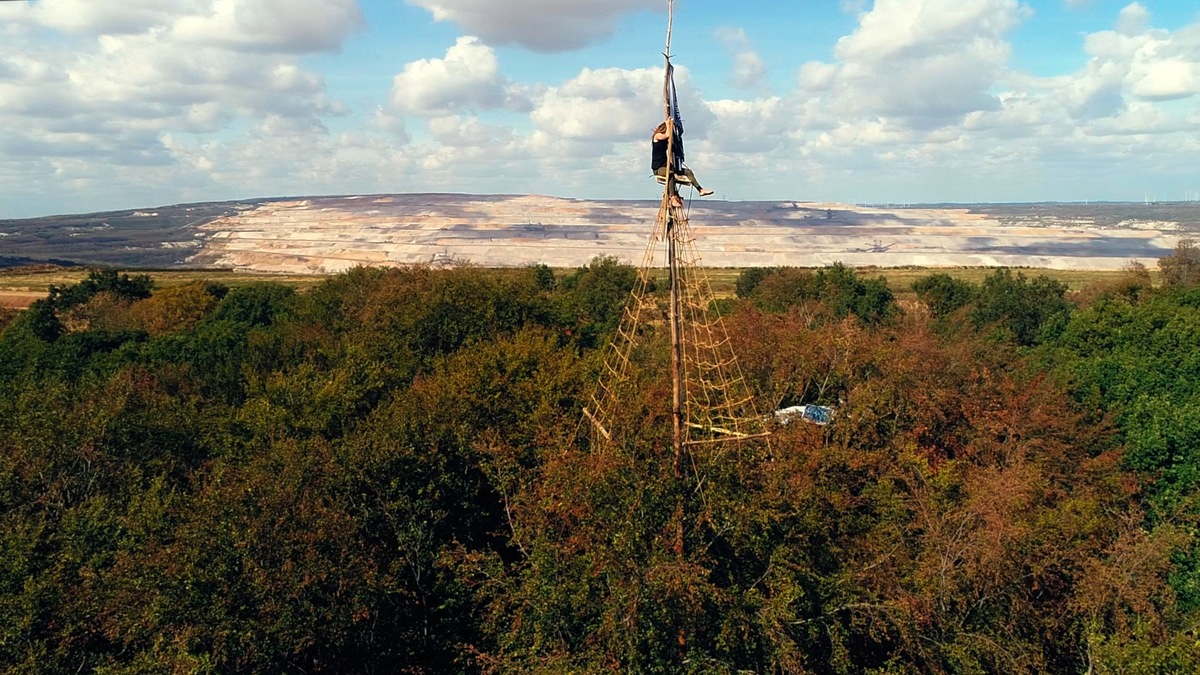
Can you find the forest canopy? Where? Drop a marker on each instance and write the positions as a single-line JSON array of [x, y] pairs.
[[386, 473]]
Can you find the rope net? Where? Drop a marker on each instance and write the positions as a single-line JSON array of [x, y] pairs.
[[717, 404], [710, 399]]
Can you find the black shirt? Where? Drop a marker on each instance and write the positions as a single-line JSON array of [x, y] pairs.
[[658, 153]]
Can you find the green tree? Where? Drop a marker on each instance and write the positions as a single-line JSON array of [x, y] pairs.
[[42, 321], [943, 294], [1019, 307], [1138, 363], [543, 276], [837, 288], [596, 295], [386, 474], [259, 304], [749, 278], [177, 308], [121, 285]]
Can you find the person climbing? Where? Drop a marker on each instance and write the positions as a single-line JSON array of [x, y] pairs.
[[658, 159]]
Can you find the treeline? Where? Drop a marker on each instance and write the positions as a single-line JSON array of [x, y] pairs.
[[388, 473]]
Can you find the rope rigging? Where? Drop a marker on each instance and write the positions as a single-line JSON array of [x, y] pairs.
[[711, 402]]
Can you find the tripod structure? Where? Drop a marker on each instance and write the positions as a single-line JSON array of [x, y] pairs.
[[711, 402]]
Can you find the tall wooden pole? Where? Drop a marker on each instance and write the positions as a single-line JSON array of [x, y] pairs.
[[673, 260], [675, 318], [676, 339], [674, 315]]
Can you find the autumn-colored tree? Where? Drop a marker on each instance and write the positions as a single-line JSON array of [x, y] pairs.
[[176, 308], [1181, 269], [390, 473]]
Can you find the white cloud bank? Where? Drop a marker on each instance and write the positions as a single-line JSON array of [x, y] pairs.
[[120, 84], [175, 100], [539, 25], [927, 62]]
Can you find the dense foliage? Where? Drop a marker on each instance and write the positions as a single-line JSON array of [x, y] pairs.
[[386, 474]]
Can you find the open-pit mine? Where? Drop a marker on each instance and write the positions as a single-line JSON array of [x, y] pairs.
[[321, 235]]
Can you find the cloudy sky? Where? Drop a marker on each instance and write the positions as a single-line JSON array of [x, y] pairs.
[[109, 105]]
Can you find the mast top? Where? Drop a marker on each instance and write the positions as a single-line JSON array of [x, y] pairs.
[[670, 22]]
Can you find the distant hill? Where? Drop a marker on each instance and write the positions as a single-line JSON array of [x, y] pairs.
[[163, 236], [328, 234], [9, 262]]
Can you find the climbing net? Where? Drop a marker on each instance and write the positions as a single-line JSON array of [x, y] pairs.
[[717, 405]]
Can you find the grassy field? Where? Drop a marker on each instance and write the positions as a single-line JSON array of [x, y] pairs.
[[21, 286], [900, 279]]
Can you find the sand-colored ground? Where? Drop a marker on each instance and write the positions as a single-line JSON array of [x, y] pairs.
[[18, 299], [323, 235]]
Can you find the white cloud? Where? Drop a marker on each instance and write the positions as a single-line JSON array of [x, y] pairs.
[[540, 25], [755, 126], [1163, 65], [607, 104], [1021, 114], [1108, 111], [615, 105], [1165, 79], [468, 78], [1138, 118], [1133, 62], [112, 18], [281, 156], [1133, 19], [385, 121], [911, 29], [469, 132], [465, 148], [929, 62], [816, 76], [120, 79], [145, 76], [203, 99], [279, 26], [749, 69]]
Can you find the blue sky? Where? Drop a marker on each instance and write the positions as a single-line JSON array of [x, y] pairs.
[[124, 105]]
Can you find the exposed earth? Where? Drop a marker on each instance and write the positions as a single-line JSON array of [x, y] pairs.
[[328, 234]]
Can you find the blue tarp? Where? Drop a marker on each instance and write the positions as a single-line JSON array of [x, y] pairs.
[[817, 414]]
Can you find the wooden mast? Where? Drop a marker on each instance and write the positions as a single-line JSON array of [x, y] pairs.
[[709, 392], [672, 233]]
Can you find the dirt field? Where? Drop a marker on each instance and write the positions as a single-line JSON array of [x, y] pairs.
[[18, 299]]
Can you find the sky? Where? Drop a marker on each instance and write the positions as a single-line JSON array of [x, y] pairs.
[[116, 105]]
